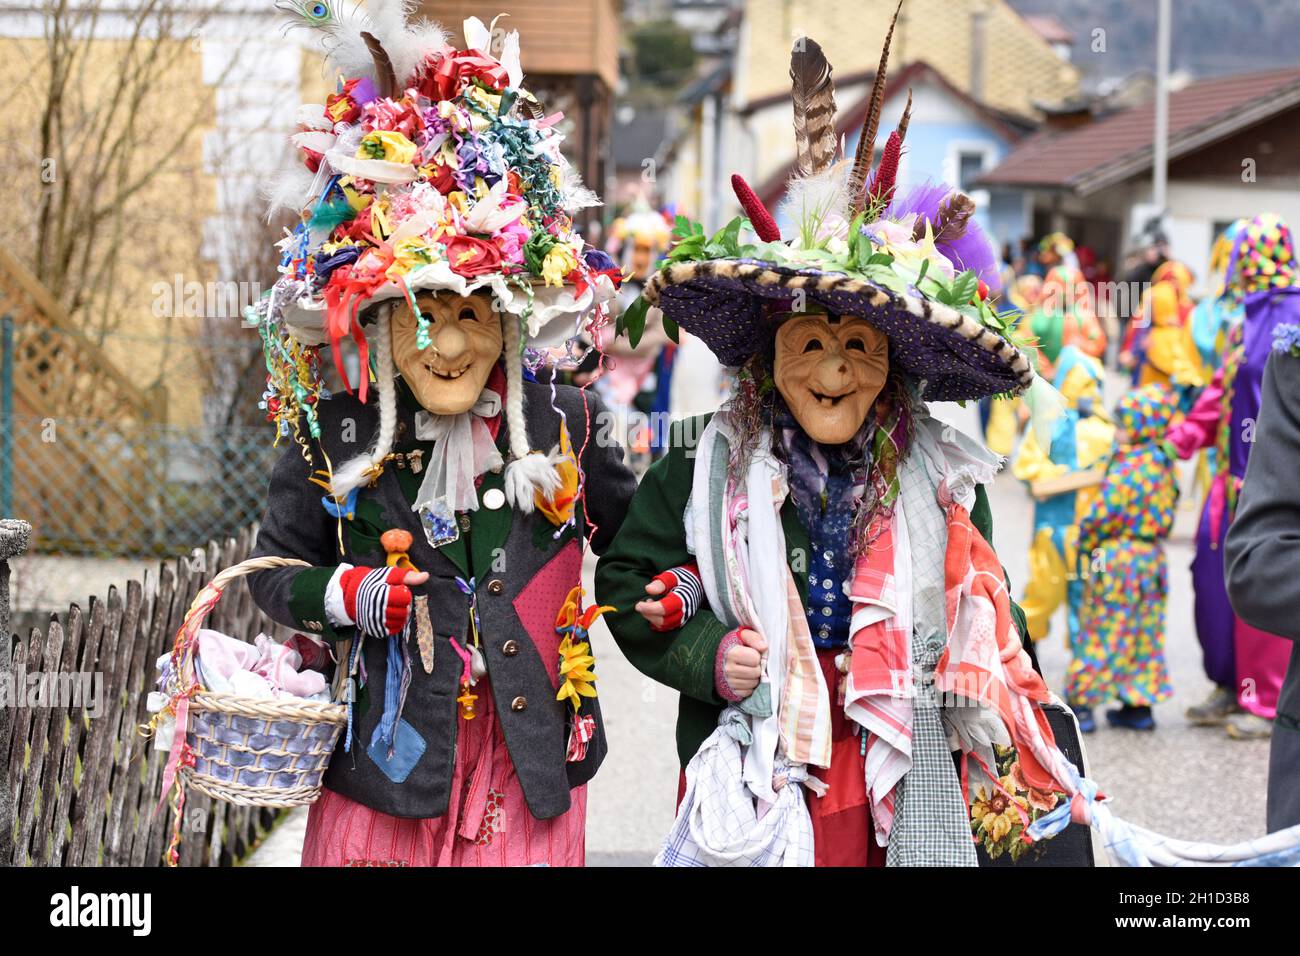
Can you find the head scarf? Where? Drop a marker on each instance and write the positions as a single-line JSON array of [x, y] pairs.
[[1263, 258]]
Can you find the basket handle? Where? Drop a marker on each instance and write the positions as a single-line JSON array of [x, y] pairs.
[[183, 648]]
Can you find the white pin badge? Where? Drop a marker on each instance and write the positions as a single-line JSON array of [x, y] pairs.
[[494, 498]]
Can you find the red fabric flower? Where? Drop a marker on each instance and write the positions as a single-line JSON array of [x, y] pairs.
[[455, 71], [471, 257], [443, 178]]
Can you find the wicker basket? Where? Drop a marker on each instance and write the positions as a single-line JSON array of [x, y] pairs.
[[252, 751]]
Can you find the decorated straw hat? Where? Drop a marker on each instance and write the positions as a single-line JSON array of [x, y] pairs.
[[915, 265], [430, 168]]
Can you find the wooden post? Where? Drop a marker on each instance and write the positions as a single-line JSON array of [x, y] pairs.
[[14, 538]]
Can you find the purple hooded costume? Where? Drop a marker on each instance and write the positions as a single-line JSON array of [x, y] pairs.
[[1262, 274]]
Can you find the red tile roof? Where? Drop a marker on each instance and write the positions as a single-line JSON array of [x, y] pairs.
[[1118, 146]]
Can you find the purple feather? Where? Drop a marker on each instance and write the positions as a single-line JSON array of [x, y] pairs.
[[972, 251]]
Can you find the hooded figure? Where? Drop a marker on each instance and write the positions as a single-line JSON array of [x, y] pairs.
[[1120, 651], [1081, 444], [1159, 346], [831, 537], [1247, 665], [444, 555]]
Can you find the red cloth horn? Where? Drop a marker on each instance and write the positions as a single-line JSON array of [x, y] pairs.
[[762, 221]]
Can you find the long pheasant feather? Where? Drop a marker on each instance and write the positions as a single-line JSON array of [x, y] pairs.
[[813, 93], [867, 142], [385, 75]]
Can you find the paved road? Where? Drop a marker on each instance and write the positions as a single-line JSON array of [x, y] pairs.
[[1182, 781]]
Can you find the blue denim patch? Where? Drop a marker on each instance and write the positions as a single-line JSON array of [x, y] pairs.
[[408, 748]]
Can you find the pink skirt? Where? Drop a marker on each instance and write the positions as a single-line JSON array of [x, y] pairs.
[[487, 822], [1261, 666]]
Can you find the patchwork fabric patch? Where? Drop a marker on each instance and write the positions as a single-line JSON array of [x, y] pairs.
[[408, 748], [494, 818], [540, 600]]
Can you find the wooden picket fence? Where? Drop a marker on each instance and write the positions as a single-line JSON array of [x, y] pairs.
[[85, 788]]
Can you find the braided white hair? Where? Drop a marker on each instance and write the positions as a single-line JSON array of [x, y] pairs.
[[529, 471], [357, 471]]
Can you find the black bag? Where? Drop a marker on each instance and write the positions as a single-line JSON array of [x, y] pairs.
[[1073, 845]]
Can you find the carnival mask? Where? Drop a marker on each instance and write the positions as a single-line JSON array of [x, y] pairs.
[[465, 342], [829, 369]]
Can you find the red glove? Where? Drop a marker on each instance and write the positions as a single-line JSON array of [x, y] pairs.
[[683, 598], [377, 599]]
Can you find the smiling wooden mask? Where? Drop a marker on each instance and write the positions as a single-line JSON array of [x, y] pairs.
[[829, 369], [465, 342]]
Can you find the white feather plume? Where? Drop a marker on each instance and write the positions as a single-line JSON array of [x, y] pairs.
[[409, 48], [814, 204], [290, 188], [573, 194]]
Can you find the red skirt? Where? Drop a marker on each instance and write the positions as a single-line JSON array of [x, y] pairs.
[[841, 820], [487, 822]]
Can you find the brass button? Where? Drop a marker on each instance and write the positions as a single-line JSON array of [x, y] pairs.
[[519, 704], [464, 522], [510, 648], [496, 586]]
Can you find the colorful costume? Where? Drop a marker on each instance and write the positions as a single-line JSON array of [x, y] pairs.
[[862, 561], [1160, 336], [437, 235], [1121, 647], [1065, 316], [1214, 316], [1081, 441], [1262, 276]]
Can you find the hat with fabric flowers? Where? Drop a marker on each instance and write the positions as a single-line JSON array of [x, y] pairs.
[[429, 168], [915, 265]]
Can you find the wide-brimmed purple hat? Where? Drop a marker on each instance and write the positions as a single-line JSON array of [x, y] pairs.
[[722, 302], [915, 266]]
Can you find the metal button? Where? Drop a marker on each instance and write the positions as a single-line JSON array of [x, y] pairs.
[[495, 586], [826, 612], [827, 583], [519, 704], [510, 648], [828, 556], [464, 522]]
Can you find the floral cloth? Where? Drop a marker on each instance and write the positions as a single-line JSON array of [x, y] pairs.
[[1120, 651]]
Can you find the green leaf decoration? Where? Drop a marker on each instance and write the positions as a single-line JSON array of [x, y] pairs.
[[670, 327], [963, 288], [634, 320]]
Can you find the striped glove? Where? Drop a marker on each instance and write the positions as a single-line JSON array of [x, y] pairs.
[[683, 597], [375, 600]]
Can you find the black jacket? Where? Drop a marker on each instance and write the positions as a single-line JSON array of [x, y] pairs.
[[522, 576], [1262, 560]]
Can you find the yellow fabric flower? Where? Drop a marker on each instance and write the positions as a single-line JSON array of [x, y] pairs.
[[576, 659], [559, 262], [411, 253], [386, 144], [575, 672], [558, 507]]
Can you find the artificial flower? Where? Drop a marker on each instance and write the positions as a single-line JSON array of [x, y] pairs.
[[469, 256], [558, 506], [458, 69], [495, 210], [575, 653], [345, 105], [559, 262], [387, 145], [411, 253]]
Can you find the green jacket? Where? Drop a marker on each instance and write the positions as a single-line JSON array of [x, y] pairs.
[[653, 539]]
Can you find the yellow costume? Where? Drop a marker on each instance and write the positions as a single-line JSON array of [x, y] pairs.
[[1081, 441]]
